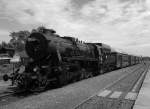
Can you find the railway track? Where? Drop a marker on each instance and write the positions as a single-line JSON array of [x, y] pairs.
[[11, 93]]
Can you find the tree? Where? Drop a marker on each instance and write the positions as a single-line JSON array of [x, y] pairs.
[[18, 39], [4, 44], [20, 35]]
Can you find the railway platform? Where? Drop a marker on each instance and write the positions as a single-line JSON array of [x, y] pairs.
[[143, 100]]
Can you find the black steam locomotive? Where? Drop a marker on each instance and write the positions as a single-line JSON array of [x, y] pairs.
[[66, 59]]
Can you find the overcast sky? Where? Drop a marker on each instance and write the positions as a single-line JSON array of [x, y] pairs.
[[123, 24]]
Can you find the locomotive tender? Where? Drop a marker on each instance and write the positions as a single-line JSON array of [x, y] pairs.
[[66, 59]]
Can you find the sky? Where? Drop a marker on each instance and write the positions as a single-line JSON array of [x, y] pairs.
[[123, 24]]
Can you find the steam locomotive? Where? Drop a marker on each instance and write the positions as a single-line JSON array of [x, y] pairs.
[[66, 59]]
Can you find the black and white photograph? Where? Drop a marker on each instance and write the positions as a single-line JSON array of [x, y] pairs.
[[74, 54]]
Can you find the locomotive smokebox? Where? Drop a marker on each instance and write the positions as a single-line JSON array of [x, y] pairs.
[[37, 46]]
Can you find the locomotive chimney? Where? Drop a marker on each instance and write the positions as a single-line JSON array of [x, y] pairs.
[[49, 31]]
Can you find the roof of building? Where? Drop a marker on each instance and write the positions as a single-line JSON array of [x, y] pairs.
[[22, 54]]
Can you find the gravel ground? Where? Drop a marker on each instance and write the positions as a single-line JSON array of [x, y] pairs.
[[68, 96]]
